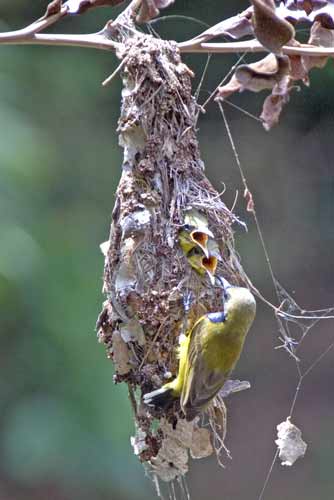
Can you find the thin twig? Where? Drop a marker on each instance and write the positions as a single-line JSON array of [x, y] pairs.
[[244, 111], [177, 17], [197, 92], [231, 70], [244, 181], [37, 26], [152, 344], [114, 73]]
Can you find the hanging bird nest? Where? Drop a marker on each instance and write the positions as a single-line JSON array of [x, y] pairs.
[[153, 294]]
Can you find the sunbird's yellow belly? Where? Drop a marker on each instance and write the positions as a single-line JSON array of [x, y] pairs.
[[221, 350]]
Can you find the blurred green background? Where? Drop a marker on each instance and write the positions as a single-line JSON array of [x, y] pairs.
[[64, 427]]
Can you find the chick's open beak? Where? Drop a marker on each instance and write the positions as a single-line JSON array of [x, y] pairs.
[[210, 265], [201, 237]]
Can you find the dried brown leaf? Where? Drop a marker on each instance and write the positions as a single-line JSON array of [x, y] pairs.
[[272, 108], [235, 27], [53, 8], [265, 66], [151, 8], [267, 73], [229, 88], [321, 37], [121, 354], [148, 11], [272, 72], [255, 80], [81, 6], [201, 445], [250, 201], [272, 31], [298, 70], [325, 16], [291, 15], [273, 104], [232, 386], [306, 5], [307, 10]]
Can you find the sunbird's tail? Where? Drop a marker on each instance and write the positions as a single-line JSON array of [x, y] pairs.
[[160, 398]]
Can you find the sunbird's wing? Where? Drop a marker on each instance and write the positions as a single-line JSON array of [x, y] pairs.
[[201, 383]]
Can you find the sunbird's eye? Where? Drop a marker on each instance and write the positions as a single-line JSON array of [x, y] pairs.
[[187, 227]]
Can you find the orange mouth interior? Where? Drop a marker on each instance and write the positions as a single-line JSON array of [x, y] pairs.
[[210, 264], [200, 238]]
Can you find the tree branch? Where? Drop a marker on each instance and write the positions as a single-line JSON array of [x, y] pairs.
[[29, 36], [37, 26], [251, 46], [93, 40]]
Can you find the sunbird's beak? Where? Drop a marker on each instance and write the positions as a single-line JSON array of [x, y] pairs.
[[225, 286], [225, 283], [210, 265]]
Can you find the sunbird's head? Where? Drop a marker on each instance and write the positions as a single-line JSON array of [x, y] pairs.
[[240, 305]]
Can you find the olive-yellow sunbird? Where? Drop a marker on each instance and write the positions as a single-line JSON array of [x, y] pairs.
[[208, 355]]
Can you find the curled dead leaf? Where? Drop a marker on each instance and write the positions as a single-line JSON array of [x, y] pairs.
[[272, 72], [172, 459], [121, 354], [307, 11], [325, 16], [298, 70], [267, 78], [201, 445], [236, 27], [267, 73], [266, 65], [81, 6], [271, 31], [53, 8], [294, 16], [250, 201], [151, 8], [306, 5], [232, 386], [272, 108], [321, 37]]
